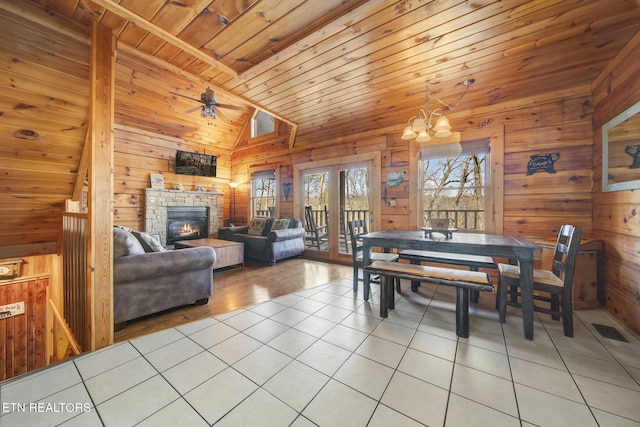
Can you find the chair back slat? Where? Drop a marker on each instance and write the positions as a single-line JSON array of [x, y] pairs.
[[309, 223], [356, 229], [566, 253]]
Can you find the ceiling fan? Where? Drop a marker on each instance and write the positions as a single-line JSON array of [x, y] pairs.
[[210, 103]]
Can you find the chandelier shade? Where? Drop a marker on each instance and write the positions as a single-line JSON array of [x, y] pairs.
[[423, 136], [408, 133]]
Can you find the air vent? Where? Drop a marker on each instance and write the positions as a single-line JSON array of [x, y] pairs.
[[609, 332]]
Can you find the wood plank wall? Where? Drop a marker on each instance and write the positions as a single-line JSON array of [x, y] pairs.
[[256, 154], [44, 103], [534, 206], [35, 269], [23, 338], [142, 146], [616, 218], [139, 153]]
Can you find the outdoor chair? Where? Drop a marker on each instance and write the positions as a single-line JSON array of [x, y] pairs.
[[314, 235]]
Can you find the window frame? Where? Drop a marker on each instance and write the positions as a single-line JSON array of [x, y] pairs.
[[494, 201], [467, 148], [254, 121], [256, 173]]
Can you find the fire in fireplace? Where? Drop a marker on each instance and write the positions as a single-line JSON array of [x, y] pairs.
[[187, 223]]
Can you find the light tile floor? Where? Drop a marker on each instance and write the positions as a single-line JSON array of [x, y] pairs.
[[324, 357]]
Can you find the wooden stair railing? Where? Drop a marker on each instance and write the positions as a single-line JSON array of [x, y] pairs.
[[63, 343]]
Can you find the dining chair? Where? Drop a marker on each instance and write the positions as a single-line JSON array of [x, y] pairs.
[[358, 228], [553, 287], [344, 238], [313, 233]]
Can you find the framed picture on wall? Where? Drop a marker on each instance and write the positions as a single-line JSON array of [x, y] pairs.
[[195, 164], [157, 180]]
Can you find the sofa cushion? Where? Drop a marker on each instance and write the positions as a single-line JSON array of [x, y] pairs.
[[125, 243], [148, 242], [257, 226], [280, 224]]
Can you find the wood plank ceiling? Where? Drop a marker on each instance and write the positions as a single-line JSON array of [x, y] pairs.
[[338, 67]]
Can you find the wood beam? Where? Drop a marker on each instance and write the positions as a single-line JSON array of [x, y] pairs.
[[292, 136], [243, 132], [101, 119], [138, 21], [31, 249]]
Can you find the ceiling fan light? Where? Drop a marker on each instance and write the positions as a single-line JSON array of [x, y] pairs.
[[423, 136], [408, 133]]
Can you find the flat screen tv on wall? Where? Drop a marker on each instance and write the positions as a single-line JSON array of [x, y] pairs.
[[195, 164]]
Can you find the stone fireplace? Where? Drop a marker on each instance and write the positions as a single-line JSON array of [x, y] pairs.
[[159, 202]]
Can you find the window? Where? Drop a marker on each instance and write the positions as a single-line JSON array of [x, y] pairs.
[[261, 124], [454, 183], [263, 193]]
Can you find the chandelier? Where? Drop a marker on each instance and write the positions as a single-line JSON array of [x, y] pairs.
[[419, 125]]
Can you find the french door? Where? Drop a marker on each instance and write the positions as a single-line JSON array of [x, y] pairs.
[[330, 195]]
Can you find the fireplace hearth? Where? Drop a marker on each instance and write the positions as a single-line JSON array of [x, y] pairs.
[[187, 223]]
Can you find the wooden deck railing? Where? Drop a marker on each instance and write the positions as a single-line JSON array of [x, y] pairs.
[[470, 219], [349, 215]]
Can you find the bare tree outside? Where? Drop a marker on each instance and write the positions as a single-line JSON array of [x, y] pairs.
[[455, 188], [316, 192], [356, 189], [264, 195]]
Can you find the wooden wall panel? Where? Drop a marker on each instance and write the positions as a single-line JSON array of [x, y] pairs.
[[44, 103], [534, 205], [615, 214], [152, 124], [139, 153], [23, 337], [258, 153]]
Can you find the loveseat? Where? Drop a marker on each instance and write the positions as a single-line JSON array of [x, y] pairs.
[[148, 278], [268, 239]]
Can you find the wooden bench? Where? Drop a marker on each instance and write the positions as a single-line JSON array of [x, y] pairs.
[[463, 280], [474, 262]]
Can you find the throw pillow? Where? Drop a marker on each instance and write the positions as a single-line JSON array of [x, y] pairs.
[[125, 244], [280, 224], [148, 242], [294, 223], [256, 227]]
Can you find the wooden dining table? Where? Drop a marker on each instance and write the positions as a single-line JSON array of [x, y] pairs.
[[515, 249]]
